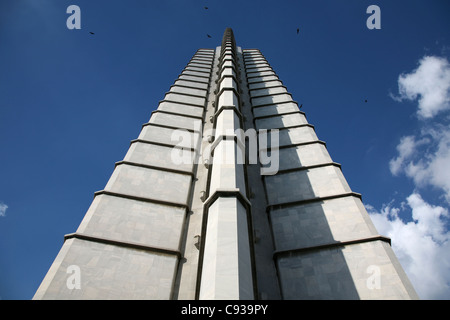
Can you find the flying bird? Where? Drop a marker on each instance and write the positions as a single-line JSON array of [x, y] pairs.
[[365, 100], [208, 36], [91, 32], [298, 30], [301, 106], [206, 8]]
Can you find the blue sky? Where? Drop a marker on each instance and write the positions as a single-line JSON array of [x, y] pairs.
[[70, 103]]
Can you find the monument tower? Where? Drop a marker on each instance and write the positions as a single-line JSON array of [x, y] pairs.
[[227, 193]]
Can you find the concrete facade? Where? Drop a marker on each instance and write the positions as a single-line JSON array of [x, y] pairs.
[[190, 214]]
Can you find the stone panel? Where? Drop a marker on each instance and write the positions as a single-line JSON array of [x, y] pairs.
[[282, 121], [201, 63], [150, 183], [303, 155], [195, 73], [171, 96], [319, 223], [144, 223], [305, 184], [175, 120], [262, 78], [267, 91], [169, 136], [271, 99], [255, 59], [186, 90], [287, 137], [161, 156], [342, 273], [181, 108], [258, 69], [198, 69], [249, 66], [253, 56], [190, 77], [266, 84], [109, 272], [275, 109], [260, 74], [194, 84]]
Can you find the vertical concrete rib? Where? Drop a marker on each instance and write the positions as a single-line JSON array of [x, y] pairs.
[[226, 270]]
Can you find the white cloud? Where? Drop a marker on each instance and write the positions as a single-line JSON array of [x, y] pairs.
[[422, 241], [421, 245], [406, 149], [3, 208], [430, 84], [436, 168], [425, 159]]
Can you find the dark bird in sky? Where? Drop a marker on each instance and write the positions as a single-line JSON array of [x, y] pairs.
[[298, 30], [206, 8], [301, 106], [208, 36], [91, 32], [365, 100]]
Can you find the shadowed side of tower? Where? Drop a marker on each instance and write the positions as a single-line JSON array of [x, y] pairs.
[[227, 193], [325, 245]]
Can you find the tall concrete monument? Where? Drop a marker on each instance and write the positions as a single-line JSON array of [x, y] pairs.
[[227, 193]]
